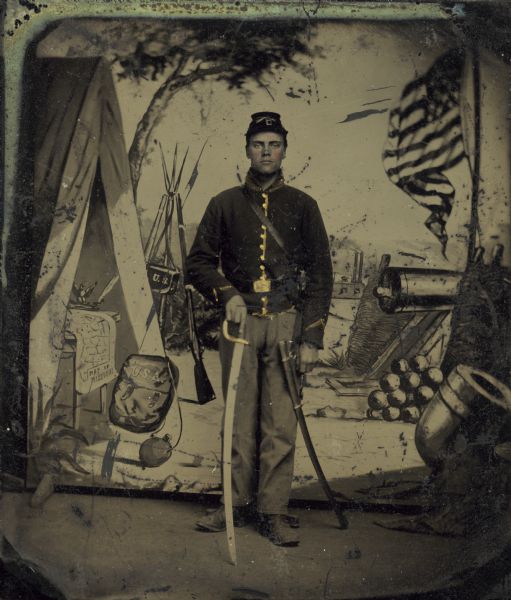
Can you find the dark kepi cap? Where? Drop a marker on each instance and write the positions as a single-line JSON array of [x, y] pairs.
[[266, 121]]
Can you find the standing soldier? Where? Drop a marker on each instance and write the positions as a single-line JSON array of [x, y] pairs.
[[276, 283]]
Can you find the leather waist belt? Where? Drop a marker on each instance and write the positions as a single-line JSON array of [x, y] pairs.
[[265, 286]]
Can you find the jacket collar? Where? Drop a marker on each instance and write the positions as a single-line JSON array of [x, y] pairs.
[[252, 183]]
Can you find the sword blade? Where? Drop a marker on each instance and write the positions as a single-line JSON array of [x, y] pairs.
[[228, 425]]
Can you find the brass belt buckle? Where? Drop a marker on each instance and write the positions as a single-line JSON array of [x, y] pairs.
[[262, 285]]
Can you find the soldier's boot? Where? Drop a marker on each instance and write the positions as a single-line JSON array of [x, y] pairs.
[[215, 520], [278, 530]]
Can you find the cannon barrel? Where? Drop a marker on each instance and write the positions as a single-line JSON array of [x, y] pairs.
[[405, 289]]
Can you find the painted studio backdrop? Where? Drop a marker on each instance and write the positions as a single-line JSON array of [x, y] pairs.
[[387, 125]]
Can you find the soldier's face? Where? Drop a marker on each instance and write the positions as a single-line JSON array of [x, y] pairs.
[[266, 151]]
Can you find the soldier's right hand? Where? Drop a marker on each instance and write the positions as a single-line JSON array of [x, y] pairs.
[[236, 311]]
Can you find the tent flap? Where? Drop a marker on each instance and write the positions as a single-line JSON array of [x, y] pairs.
[[79, 132]]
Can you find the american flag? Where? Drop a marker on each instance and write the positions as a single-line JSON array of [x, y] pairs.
[[425, 139]]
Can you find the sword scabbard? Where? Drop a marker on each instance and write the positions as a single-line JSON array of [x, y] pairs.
[[295, 391]]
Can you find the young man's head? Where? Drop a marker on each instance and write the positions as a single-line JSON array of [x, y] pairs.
[[266, 142]]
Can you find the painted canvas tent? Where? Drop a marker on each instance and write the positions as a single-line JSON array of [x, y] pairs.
[[86, 235]]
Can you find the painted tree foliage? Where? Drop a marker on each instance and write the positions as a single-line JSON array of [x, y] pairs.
[[183, 53]]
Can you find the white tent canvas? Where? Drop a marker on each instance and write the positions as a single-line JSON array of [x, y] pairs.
[[85, 222]]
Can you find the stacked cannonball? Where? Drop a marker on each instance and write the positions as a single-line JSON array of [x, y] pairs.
[[405, 391]]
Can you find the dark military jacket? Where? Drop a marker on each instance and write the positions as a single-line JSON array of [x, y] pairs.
[[269, 279]]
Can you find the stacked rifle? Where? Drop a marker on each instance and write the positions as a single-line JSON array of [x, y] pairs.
[[162, 271]]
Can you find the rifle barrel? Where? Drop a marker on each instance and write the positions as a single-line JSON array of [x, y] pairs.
[[189, 300], [181, 227], [151, 239]]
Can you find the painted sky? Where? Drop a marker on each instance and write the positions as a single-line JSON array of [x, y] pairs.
[[335, 137], [337, 120]]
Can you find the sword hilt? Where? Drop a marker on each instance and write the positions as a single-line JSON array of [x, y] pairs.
[[231, 338]]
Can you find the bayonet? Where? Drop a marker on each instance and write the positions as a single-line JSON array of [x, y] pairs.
[[176, 186], [195, 173]]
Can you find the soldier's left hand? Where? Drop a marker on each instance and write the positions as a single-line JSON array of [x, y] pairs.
[[307, 358]]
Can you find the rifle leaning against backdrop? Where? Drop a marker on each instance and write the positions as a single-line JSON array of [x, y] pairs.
[[160, 265]]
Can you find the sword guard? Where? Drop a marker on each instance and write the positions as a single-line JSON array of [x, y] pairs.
[[231, 338]]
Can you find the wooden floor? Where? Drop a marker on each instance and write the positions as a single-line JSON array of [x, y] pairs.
[[99, 547]]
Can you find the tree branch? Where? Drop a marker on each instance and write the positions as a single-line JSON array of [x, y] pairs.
[[174, 82], [236, 53], [183, 59]]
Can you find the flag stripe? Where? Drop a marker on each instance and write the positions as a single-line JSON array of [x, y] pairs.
[[448, 164], [421, 127], [428, 156], [418, 187], [425, 139], [430, 137], [423, 103], [423, 151], [412, 86], [420, 124]]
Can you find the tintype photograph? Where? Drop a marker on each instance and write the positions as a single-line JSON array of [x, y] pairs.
[[256, 274]]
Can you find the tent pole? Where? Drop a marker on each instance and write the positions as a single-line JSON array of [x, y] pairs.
[[476, 168]]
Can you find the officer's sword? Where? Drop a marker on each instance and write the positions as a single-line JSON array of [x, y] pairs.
[[228, 422], [290, 371]]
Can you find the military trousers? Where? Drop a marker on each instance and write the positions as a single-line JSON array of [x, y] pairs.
[[264, 431]]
